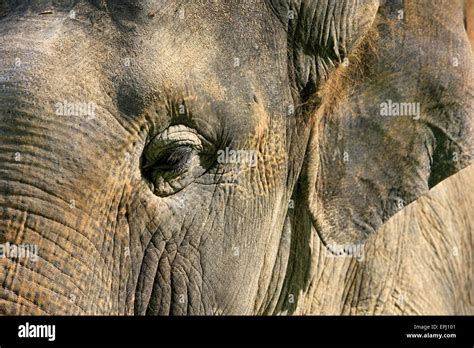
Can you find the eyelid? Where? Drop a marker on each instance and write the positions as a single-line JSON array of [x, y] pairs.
[[173, 137], [179, 135], [167, 153]]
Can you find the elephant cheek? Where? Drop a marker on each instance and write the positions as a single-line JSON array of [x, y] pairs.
[[49, 265]]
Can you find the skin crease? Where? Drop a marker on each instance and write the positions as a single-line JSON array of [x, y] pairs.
[[226, 238], [469, 18]]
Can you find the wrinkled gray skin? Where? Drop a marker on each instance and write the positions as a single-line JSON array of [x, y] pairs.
[[130, 207]]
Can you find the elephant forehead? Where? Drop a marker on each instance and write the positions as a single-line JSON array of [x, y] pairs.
[[177, 64], [234, 81], [211, 46]]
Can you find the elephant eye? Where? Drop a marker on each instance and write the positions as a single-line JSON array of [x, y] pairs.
[[174, 159], [170, 161]]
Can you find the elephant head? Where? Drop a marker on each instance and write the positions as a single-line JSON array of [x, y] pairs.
[[174, 157]]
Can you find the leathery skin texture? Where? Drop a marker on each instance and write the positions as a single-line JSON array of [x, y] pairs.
[[236, 157]]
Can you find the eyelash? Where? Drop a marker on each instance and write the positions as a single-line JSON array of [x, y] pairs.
[[172, 161]]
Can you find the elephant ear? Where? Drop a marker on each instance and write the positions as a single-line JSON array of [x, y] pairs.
[[321, 34], [392, 123]]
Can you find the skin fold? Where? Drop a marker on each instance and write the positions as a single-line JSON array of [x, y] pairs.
[[469, 19], [236, 157]]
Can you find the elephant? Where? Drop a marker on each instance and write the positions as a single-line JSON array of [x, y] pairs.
[[242, 157], [428, 242]]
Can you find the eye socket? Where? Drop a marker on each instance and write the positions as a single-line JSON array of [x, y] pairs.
[[174, 159]]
